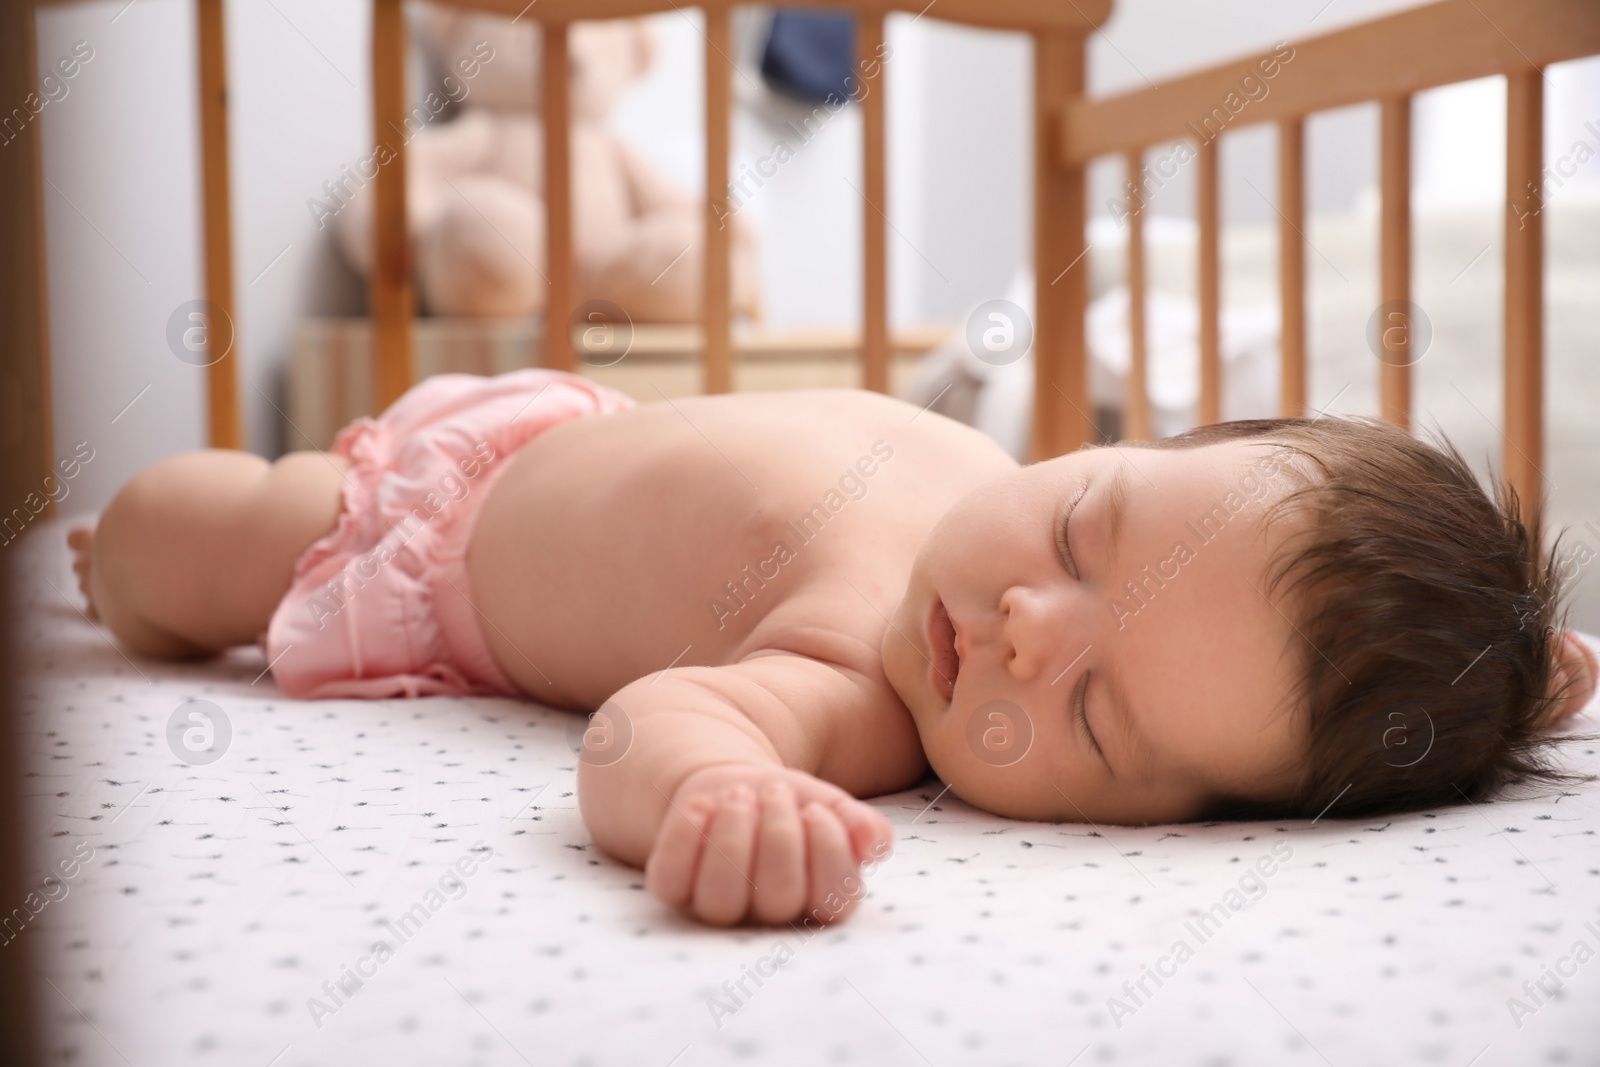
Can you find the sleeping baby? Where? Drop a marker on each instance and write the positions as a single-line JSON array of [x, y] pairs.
[[777, 604]]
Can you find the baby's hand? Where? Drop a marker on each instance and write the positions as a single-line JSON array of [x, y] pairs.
[[769, 844]]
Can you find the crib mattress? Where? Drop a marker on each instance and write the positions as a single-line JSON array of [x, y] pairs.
[[409, 882]]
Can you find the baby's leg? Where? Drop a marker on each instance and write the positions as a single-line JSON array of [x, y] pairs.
[[196, 551]]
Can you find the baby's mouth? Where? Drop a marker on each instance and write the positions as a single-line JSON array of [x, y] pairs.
[[945, 662]]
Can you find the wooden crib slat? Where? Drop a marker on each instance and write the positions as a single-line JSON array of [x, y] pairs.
[[1136, 405], [555, 112], [716, 299], [1210, 286], [222, 377], [1424, 46], [27, 430], [29, 481], [1524, 300], [874, 249], [1394, 285], [1292, 266], [1061, 420], [390, 285]]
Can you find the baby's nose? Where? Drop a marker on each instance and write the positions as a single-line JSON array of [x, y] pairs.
[[1027, 631]]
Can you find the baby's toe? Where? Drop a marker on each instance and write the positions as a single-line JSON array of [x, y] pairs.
[[81, 540]]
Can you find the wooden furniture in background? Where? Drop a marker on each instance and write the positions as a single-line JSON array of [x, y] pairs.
[[331, 371]]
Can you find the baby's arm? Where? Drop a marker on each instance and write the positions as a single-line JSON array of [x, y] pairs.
[[712, 788]]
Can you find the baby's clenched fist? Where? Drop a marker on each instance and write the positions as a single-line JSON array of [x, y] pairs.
[[766, 844]]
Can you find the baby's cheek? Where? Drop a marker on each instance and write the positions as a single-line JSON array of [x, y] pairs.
[[968, 756]]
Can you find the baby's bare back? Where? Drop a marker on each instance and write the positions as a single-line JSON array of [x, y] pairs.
[[699, 532]]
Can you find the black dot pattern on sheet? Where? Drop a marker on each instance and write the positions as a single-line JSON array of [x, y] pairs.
[[225, 911]]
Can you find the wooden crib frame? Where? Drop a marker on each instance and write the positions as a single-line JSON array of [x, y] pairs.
[[1387, 60]]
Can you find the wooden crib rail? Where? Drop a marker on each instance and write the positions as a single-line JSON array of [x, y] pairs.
[[1058, 29], [1398, 55], [1076, 16], [1387, 60]]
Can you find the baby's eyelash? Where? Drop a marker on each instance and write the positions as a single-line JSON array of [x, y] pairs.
[[1080, 710], [1063, 545]]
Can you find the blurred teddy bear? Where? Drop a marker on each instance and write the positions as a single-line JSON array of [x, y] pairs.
[[475, 185]]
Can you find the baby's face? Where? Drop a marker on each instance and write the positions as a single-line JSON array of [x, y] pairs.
[[1090, 639]]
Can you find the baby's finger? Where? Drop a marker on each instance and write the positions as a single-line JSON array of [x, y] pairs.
[[722, 886], [870, 833], [669, 872], [780, 863], [808, 789], [832, 867]]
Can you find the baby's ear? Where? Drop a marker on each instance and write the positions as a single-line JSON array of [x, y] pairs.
[[1573, 677]]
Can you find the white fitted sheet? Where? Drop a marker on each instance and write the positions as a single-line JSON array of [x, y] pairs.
[[220, 898]]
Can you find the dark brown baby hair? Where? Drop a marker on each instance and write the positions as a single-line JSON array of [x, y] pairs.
[[1430, 617]]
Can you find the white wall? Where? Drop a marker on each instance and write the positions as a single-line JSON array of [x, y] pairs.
[[122, 148], [121, 237]]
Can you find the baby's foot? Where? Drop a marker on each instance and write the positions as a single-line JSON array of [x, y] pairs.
[[81, 540]]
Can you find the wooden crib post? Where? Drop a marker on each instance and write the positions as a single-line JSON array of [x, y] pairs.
[[1210, 267], [716, 299], [1292, 266], [390, 289], [556, 114], [27, 432], [1061, 403], [222, 377], [874, 249], [1524, 266], [1394, 286], [26, 449], [1136, 405]]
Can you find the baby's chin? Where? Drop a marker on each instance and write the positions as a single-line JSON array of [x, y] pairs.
[[988, 789]]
